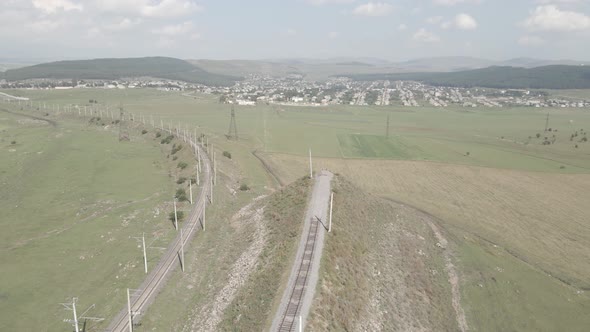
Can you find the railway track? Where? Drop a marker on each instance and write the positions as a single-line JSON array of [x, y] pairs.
[[289, 320], [144, 296]]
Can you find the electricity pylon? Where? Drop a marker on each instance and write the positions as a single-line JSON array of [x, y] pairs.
[[232, 133]]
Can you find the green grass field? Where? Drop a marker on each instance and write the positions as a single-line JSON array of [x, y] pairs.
[[73, 199], [482, 172]]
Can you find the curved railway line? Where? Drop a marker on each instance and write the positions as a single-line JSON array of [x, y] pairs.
[[144, 296]]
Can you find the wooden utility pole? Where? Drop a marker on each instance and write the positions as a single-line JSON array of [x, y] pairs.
[[330, 222], [310, 166]]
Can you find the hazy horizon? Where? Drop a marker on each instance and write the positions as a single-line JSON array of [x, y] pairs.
[[393, 30]]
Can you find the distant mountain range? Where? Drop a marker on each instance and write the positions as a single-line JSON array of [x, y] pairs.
[[321, 69], [442, 64], [546, 77], [112, 69], [450, 71]]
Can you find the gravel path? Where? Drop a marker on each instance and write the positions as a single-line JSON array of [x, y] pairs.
[[318, 208]]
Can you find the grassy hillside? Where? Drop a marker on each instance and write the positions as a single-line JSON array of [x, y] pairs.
[[110, 69], [547, 77], [72, 197], [382, 269]]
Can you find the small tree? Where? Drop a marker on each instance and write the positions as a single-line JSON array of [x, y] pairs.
[[538, 135], [158, 134], [143, 132], [244, 187], [179, 215], [13, 142], [181, 180], [227, 154], [181, 195], [176, 148], [182, 165]]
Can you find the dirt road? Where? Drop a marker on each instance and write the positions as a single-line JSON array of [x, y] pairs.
[[298, 294]]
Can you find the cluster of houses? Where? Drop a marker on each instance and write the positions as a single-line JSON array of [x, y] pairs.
[[296, 91]]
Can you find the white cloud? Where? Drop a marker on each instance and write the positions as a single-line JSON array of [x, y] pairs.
[[434, 20], [333, 34], [171, 35], [327, 2], [291, 32], [558, 1], [453, 2], [462, 22], [175, 30], [124, 24], [52, 6], [149, 8], [425, 36], [170, 8], [373, 9], [551, 18], [465, 22], [45, 26], [529, 40], [402, 27]]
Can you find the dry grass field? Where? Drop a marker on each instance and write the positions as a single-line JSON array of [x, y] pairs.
[[383, 269], [537, 220]]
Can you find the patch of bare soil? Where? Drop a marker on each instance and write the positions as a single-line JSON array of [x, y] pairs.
[[453, 278], [209, 317]]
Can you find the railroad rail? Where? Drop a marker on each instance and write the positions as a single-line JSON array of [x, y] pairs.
[[144, 296], [289, 319]]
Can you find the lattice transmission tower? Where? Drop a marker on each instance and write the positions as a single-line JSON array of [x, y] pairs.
[[232, 133]]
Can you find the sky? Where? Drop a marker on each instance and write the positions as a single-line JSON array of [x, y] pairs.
[[394, 30]]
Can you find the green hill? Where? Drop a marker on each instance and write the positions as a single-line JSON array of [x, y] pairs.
[[111, 69], [547, 77]]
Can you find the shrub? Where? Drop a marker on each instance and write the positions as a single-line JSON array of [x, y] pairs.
[[244, 187], [167, 140], [538, 135], [181, 180], [182, 165], [143, 132], [194, 180], [173, 158], [181, 195], [227, 154], [179, 215], [158, 134], [13, 142], [176, 148], [467, 153]]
